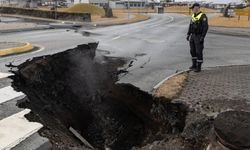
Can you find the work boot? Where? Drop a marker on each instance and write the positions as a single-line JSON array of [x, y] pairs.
[[198, 68], [194, 65]]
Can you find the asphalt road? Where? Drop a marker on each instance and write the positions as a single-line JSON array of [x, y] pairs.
[[157, 46], [50, 41]]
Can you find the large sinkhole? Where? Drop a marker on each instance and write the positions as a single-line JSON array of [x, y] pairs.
[[77, 89]]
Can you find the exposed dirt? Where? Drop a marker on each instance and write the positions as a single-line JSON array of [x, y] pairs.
[[171, 88], [233, 129], [74, 89], [195, 136]]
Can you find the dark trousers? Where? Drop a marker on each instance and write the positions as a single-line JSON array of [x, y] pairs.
[[196, 48]]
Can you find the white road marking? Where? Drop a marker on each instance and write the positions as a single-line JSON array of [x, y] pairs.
[[8, 93], [41, 49], [156, 25], [154, 41], [115, 38], [15, 129], [4, 75]]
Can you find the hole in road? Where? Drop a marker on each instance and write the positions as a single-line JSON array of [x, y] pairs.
[[72, 89]]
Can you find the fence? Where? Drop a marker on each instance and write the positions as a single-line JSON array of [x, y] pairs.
[[243, 12]]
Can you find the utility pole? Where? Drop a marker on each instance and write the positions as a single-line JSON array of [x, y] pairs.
[[56, 9], [128, 10], [141, 5]]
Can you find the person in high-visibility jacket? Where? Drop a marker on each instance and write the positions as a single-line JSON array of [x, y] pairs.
[[196, 34]]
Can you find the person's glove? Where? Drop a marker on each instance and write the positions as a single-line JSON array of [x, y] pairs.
[[202, 39], [188, 37]]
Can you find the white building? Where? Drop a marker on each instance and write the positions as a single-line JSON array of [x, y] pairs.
[[218, 5], [117, 3], [134, 3]]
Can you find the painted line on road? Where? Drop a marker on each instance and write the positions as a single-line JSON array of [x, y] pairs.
[[8, 93], [119, 36], [171, 20], [41, 49], [115, 38], [15, 129], [154, 41], [153, 24]]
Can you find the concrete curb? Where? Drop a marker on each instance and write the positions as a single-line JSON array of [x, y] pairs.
[[188, 70], [167, 78], [16, 50]]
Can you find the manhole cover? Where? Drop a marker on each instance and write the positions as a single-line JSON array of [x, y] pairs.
[[233, 129]]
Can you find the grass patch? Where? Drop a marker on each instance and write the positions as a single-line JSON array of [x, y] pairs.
[[185, 9], [232, 22], [171, 9], [85, 8]]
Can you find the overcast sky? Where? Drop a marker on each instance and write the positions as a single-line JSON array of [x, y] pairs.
[[216, 1]]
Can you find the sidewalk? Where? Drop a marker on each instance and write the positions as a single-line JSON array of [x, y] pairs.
[[207, 94], [218, 89]]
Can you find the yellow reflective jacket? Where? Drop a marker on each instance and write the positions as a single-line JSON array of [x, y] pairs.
[[196, 18]]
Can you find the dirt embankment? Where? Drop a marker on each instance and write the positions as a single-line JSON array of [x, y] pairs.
[[76, 89]]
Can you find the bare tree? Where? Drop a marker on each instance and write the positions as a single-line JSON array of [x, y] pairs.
[[247, 1], [108, 10]]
